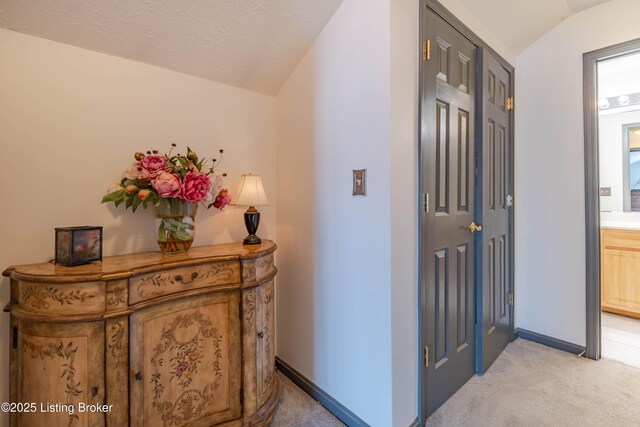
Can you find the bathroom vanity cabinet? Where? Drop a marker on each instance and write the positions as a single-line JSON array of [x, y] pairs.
[[620, 270]]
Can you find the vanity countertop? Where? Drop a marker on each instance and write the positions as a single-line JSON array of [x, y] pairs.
[[624, 225]]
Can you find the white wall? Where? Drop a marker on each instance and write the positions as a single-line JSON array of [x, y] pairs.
[[549, 168], [403, 154], [70, 121], [333, 310]]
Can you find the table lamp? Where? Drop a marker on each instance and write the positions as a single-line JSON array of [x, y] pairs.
[[251, 193]]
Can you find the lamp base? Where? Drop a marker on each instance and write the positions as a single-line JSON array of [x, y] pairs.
[[251, 221], [251, 239]]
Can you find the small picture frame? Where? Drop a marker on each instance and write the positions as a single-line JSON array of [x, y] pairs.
[[78, 245]]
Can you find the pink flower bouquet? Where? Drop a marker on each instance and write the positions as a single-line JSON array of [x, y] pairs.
[[154, 177], [174, 185]]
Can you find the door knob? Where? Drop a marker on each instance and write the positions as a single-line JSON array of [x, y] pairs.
[[473, 227]]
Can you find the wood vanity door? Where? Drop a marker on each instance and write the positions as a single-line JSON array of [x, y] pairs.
[[265, 351], [60, 364], [620, 269], [186, 361]]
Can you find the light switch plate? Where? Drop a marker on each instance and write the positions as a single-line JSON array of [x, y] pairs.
[[359, 182]]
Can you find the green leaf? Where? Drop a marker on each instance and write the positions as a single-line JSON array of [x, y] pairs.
[[129, 202], [112, 197], [136, 202], [118, 202], [176, 228], [162, 233], [184, 162]]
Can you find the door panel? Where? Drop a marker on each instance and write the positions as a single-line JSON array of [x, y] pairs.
[[448, 175], [495, 158], [185, 362]]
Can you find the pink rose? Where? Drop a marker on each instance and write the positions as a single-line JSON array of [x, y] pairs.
[[216, 186], [133, 172], [195, 187], [166, 184], [152, 166], [223, 199]]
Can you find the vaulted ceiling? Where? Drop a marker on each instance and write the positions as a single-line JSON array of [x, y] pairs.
[[254, 44], [518, 23]]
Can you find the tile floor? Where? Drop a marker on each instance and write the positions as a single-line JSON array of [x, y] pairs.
[[621, 338]]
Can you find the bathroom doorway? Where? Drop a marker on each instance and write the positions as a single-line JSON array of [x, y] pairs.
[[613, 230]]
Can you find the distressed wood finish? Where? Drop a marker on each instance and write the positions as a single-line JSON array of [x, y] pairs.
[[621, 271], [153, 285], [60, 364], [73, 298], [117, 370], [181, 340], [265, 353], [186, 366]]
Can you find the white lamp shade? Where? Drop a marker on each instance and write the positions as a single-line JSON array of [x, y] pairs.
[[250, 191]]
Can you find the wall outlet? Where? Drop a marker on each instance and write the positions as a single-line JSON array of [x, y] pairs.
[[605, 191]]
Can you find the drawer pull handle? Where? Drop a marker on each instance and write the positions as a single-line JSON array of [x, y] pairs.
[[138, 376], [94, 391], [179, 278], [261, 334]]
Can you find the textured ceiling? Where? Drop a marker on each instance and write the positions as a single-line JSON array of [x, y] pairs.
[[253, 44], [518, 23]]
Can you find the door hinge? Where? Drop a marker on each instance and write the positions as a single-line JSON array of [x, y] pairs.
[[426, 50], [509, 200], [425, 202], [510, 298], [426, 356], [509, 103]]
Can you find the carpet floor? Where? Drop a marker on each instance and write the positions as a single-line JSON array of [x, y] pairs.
[[529, 385], [534, 385], [298, 409]]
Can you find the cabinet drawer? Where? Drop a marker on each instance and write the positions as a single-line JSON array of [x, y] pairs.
[[57, 299], [167, 282]]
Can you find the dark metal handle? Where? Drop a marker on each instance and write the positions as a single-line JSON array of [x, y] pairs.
[[138, 376], [179, 278], [261, 334], [94, 391]]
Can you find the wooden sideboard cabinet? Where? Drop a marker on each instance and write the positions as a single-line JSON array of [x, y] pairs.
[[152, 339]]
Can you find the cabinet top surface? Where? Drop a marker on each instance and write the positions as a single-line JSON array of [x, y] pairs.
[[123, 266]]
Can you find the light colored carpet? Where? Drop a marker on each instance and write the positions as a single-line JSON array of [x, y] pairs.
[[621, 338], [298, 409], [534, 385]]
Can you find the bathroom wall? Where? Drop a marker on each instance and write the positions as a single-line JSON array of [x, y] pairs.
[[611, 160]]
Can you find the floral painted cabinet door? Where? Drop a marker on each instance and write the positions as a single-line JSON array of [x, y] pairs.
[[265, 354], [186, 361], [53, 373]]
